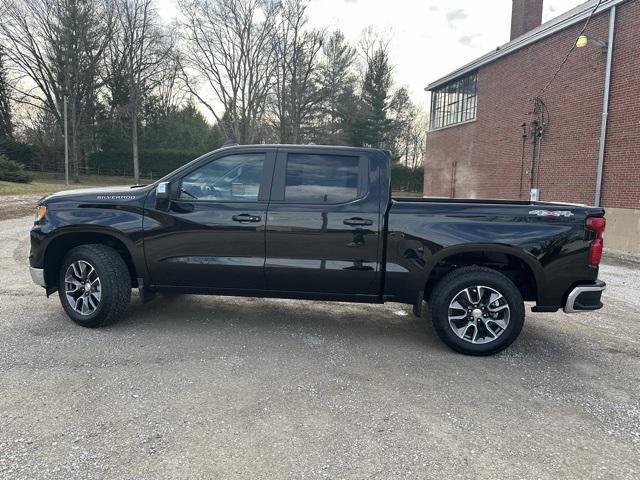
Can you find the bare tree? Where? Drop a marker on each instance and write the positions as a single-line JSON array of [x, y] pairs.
[[402, 111], [297, 82], [115, 78], [408, 129], [371, 41], [170, 89], [227, 48], [419, 145], [137, 55], [6, 125], [54, 48]]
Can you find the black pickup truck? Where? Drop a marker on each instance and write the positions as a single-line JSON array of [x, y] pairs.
[[313, 222]]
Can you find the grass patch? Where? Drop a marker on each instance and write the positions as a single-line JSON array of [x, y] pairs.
[[395, 194], [45, 183]]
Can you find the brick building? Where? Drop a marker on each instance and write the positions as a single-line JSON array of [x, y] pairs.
[[512, 121]]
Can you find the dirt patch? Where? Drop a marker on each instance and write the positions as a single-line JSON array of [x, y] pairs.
[[620, 257], [15, 206]]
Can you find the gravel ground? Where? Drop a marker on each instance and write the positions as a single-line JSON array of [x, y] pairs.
[[207, 387]]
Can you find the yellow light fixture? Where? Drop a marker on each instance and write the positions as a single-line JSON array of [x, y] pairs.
[[583, 41]]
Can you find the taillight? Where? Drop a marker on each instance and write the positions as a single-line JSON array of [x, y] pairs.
[[596, 224]]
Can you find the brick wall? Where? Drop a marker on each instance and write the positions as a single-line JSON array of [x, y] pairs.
[[489, 151], [621, 180]]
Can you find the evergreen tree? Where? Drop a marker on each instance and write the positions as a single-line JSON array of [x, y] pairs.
[[181, 128], [338, 83], [374, 123]]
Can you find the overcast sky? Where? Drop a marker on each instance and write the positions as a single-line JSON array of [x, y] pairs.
[[429, 38]]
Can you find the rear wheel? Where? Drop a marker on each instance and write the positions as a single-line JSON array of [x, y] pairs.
[[477, 311], [94, 285]]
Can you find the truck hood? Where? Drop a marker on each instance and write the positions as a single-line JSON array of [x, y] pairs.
[[109, 194]]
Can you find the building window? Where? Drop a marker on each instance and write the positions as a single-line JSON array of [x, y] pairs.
[[454, 102]]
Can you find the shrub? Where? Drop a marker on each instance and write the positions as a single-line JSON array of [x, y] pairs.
[[18, 151], [11, 171], [406, 179]]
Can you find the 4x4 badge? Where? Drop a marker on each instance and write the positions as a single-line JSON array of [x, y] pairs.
[[551, 213]]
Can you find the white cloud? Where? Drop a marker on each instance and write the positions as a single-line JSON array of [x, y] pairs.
[[456, 15], [468, 40]]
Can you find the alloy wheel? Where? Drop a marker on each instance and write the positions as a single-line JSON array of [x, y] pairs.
[[479, 314], [82, 286]]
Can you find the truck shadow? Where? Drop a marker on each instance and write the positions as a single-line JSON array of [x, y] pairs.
[[393, 324], [214, 314]]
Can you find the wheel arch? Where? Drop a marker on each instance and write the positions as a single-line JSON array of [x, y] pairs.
[[65, 240], [523, 269]]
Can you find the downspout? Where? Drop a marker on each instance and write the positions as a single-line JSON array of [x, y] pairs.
[[605, 106]]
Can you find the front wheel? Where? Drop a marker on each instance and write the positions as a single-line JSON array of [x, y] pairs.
[[94, 285], [477, 311]]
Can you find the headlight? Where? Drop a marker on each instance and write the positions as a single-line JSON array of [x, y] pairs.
[[41, 211]]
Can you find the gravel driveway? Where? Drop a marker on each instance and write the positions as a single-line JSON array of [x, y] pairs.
[[207, 387]]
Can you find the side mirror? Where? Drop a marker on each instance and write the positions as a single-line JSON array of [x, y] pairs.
[[163, 196]]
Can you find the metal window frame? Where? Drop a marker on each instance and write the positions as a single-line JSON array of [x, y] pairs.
[[454, 102]]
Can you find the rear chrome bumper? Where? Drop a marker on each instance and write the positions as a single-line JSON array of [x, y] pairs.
[[37, 275], [584, 298]]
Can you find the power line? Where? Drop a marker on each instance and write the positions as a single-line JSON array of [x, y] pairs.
[[586, 24]]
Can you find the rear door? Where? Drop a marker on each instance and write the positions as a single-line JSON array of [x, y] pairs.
[[323, 223]]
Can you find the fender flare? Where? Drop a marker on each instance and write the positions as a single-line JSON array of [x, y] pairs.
[[133, 249], [528, 259]]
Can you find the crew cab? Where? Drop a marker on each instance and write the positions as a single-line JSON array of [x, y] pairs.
[[313, 222]]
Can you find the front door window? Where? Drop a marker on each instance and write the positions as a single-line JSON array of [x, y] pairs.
[[235, 178]]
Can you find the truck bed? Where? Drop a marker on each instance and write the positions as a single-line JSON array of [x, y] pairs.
[[481, 201]]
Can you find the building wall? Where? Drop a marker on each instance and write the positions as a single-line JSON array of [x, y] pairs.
[[488, 152], [623, 229], [621, 181]]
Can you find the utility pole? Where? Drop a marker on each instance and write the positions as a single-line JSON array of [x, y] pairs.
[[66, 144]]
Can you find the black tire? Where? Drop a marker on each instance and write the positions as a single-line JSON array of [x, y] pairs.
[[115, 285], [448, 288]]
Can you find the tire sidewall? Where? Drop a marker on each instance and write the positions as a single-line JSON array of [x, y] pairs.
[[492, 279]]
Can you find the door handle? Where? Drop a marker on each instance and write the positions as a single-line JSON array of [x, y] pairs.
[[245, 217], [357, 222]]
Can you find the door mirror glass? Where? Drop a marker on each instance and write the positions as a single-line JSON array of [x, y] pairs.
[[163, 196], [162, 190]]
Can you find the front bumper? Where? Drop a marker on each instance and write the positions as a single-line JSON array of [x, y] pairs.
[[37, 275], [584, 298]]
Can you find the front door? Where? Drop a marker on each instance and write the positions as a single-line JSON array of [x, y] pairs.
[[213, 235], [323, 224]]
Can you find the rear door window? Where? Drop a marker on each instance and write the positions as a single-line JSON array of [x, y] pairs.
[[317, 178]]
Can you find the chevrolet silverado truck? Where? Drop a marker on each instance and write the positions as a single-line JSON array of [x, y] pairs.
[[312, 222]]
